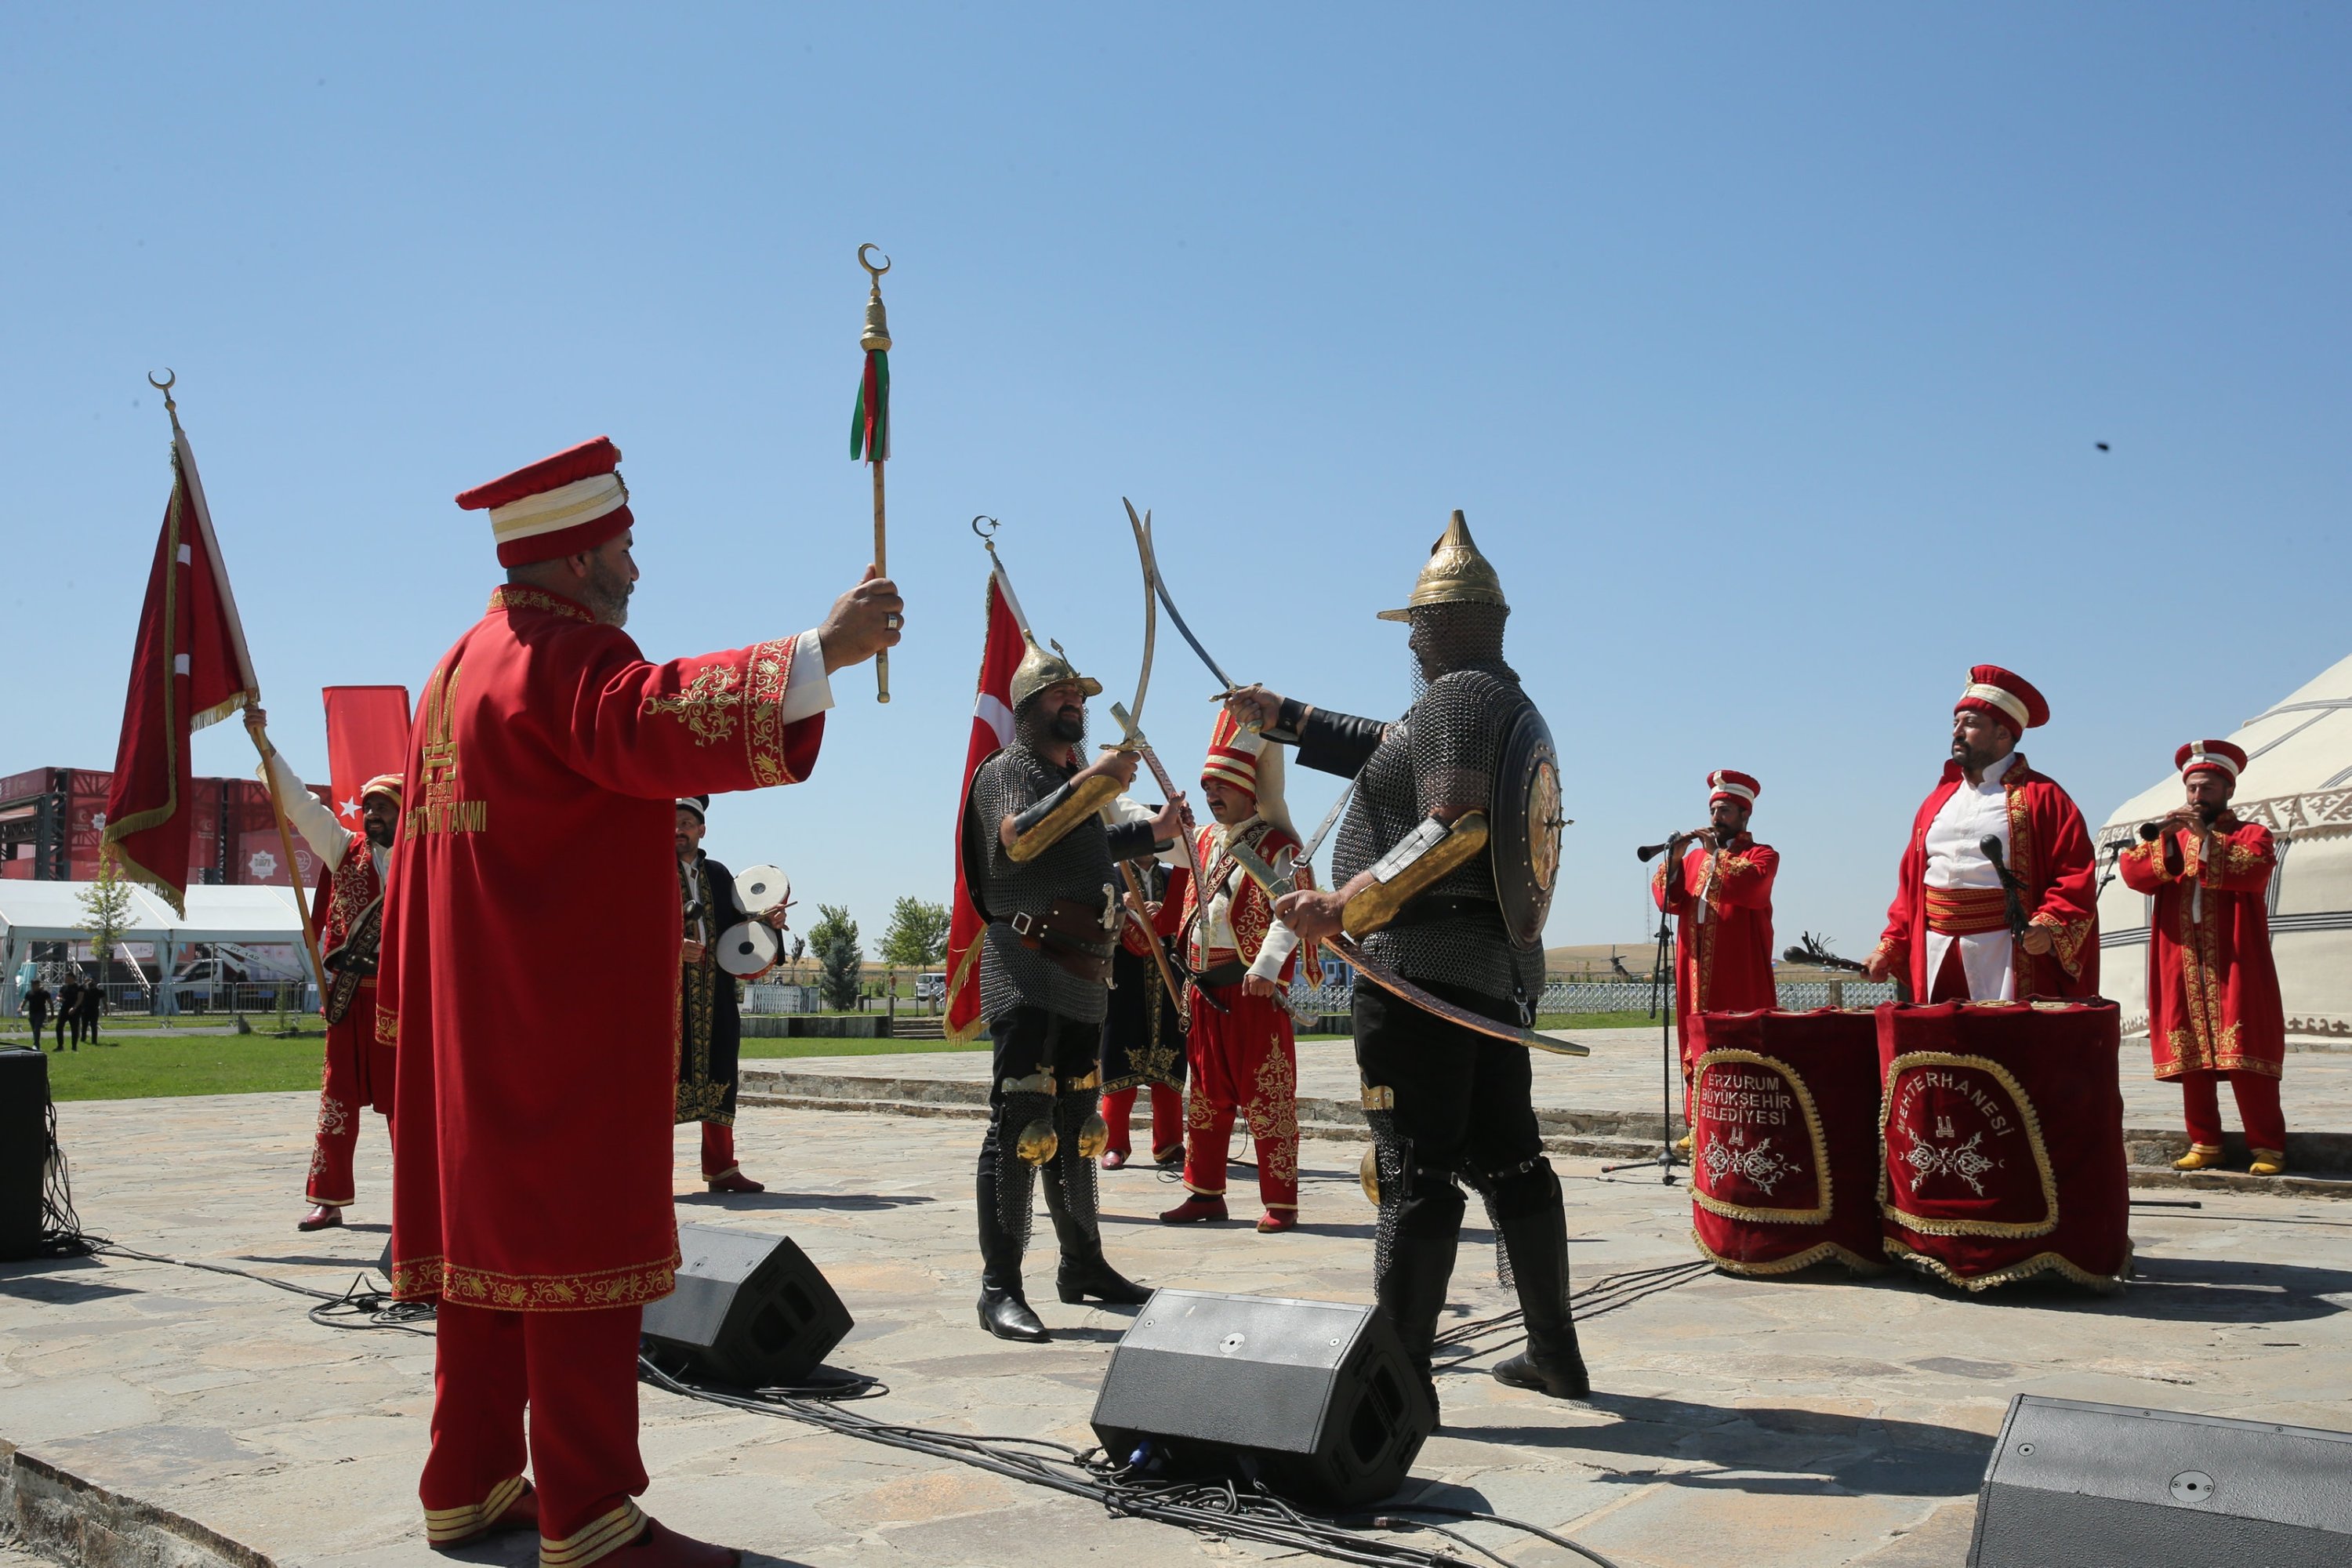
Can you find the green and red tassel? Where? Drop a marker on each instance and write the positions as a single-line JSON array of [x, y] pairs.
[[869, 422]]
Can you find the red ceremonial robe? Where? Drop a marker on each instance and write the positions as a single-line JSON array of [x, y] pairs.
[[2212, 990], [359, 1068], [538, 1065], [1243, 1058], [2049, 851], [1723, 963]]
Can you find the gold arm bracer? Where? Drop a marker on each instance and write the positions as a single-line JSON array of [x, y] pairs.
[[1377, 905], [1083, 801]]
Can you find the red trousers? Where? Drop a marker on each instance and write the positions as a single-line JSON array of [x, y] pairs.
[[1167, 1119], [358, 1073], [577, 1372], [1244, 1062], [718, 1150], [2258, 1108]]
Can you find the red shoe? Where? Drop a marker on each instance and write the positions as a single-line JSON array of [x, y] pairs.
[[1195, 1210], [1273, 1224], [1114, 1160], [324, 1217], [662, 1547], [734, 1181]]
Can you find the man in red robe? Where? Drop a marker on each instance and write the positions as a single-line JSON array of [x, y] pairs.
[[532, 1173], [1242, 1054], [1948, 931], [1720, 896], [346, 914], [2213, 1007]]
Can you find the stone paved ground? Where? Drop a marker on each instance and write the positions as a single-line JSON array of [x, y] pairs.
[[1813, 1422]]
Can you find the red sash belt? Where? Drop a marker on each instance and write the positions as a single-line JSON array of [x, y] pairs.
[[1966, 912]]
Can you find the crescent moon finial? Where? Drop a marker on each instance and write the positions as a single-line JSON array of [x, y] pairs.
[[985, 533], [875, 271]]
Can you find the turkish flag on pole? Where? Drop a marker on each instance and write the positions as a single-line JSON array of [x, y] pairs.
[[188, 670], [991, 730], [367, 734]]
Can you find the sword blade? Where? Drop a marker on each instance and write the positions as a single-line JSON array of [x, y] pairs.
[[1150, 605], [1159, 585], [1329, 819]]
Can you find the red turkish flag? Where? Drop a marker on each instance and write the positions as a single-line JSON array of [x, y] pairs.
[[188, 670], [991, 730], [367, 734]]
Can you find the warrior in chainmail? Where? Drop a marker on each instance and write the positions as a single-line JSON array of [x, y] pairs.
[[1041, 863], [1447, 1106]]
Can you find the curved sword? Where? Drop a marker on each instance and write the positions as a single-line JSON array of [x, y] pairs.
[[1159, 586]]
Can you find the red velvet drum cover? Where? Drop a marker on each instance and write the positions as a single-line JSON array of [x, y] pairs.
[[2003, 1126], [1784, 1140]]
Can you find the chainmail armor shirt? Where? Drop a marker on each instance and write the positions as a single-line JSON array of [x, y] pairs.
[[1441, 753], [1012, 976]]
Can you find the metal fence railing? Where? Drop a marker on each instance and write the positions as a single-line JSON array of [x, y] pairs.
[[1574, 996]]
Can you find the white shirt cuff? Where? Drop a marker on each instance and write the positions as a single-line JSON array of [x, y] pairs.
[[1280, 942], [809, 692], [327, 837]]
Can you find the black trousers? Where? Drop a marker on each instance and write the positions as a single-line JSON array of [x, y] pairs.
[[1027, 1040], [40, 1017], [1464, 1100]]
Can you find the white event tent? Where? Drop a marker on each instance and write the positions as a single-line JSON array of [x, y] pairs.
[[2297, 784], [33, 912]]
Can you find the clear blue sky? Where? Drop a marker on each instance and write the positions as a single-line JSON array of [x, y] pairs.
[[1765, 347]]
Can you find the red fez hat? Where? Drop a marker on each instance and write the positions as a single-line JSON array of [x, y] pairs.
[[558, 506], [2008, 698], [384, 785], [1730, 784], [2220, 754], [1233, 754]]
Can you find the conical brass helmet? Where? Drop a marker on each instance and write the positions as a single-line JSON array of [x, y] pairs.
[[1040, 668], [1456, 573]]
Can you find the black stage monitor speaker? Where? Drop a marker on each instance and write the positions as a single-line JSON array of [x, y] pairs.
[[1315, 1397], [23, 1149], [2105, 1486], [748, 1310]]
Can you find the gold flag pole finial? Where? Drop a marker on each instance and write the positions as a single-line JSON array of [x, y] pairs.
[[872, 438], [164, 386]]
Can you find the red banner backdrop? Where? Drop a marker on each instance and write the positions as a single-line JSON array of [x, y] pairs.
[[1784, 1146], [367, 734], [85, 822], [2003, 1126]]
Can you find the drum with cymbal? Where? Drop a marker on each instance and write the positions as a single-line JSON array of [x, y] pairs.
[[747, 950], [761, 888]]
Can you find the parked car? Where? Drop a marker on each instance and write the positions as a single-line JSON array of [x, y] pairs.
[[930, 987]]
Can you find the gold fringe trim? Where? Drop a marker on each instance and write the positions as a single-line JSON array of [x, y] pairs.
[[1927, 1226], [2040, 1263], [1819, 1252], [422, 1279], [1788, 1074]]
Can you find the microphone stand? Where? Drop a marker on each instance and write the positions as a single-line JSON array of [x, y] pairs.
[[1662, 1006]]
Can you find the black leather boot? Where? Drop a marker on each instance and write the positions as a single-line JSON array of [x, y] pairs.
[[1084, 1271], [1535, 1235], [1003, 1311], [1412, 1289]]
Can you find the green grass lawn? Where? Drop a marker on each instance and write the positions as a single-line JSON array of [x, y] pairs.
[[135, 1068]]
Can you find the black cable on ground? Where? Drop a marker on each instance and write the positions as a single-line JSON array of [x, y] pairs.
[[62, 1234], [1603, 1296], [360, 1307]]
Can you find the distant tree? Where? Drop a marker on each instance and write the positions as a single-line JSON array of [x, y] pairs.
[[834, 941], [918, 934], [105, 911]]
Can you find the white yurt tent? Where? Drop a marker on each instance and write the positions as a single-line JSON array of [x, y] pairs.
[[2297, 784]]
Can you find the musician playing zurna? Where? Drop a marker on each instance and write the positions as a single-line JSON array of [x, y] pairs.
[[2213, 1006], [1717, 883], [709, 1021], [1041, 862], [532, 1190], [1966, 926], [348, 911], [1445, 866], [1244, 1057]]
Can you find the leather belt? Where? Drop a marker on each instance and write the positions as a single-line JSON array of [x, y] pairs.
[[1069, 932], [1233, 972]]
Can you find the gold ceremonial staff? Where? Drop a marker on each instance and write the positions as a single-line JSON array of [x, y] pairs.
[[869, 430]]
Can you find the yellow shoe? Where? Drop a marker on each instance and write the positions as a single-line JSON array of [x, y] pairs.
[[2267, 1162], [1683, 1145], [2200, 1157]]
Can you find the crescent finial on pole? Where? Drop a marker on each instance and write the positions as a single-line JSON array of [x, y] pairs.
[[869, 429]]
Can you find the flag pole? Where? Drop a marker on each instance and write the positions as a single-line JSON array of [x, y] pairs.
[[187, 459], [869, 430]]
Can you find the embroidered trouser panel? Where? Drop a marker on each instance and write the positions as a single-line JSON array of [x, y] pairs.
[[2258, 1108], [1167, 1119], [576, 1373], [341, 1101], [1245, 1063], [718, 1150]]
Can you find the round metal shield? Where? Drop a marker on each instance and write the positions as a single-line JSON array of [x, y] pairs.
[[761, 888], [747, 950], [1526, 823]]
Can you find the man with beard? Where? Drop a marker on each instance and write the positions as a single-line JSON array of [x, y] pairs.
[[1040, 861], [531, 954], [347, 909], [2213, 1005], [1244, 1057], [1948, 931], [1717, 886], [709, 1024], [1446, 1104]]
